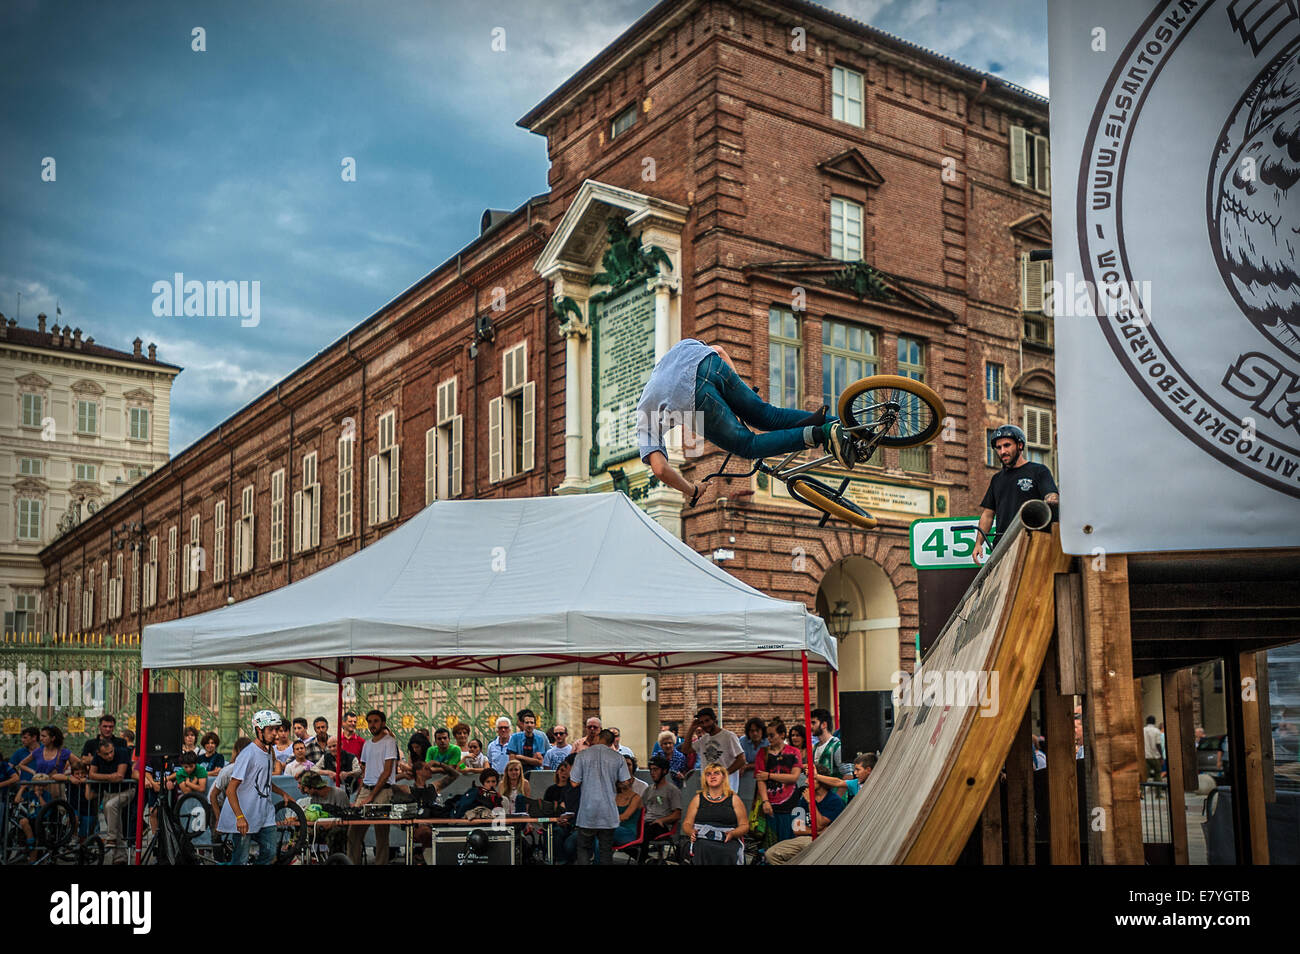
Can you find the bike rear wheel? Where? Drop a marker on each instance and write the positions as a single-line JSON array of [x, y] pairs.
[[55, 825], [828, 500], [920, 410]]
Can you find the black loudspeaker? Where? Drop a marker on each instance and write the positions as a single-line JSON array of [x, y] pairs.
[[166, 729], [866, 719]]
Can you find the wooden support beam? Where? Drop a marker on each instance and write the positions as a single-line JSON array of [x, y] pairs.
[[1072, 676], [1267, 765], [1020, 796], [1252, 596], [1254, 764], [991, 828], [1062, 779], [1178, 729], [1109, 716]]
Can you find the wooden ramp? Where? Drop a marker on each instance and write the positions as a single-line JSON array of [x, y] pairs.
[[948, 745]]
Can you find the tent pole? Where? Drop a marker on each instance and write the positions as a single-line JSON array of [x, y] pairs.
[[338, 734], [142, 765], [835, 698], [807, 732]]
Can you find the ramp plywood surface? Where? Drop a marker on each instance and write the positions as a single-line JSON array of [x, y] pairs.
[[942, 760]]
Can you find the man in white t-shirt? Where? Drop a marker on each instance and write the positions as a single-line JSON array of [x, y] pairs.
[[379, 758], [716, 744], [248, 812]]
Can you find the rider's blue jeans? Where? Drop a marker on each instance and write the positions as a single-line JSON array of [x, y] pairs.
[[267, 842], [727, 404]]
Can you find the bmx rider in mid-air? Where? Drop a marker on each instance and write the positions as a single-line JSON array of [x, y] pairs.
[[696, 385]]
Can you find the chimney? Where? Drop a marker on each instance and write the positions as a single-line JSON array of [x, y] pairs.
[[89, 341], [76, 338], [153, 351], [4, 328], [40, 323], [135, 348], [55, 336]]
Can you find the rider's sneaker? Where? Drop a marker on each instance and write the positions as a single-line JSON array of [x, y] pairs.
[[839, 443]]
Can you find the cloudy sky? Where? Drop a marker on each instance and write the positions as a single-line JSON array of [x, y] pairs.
[[225, 164]]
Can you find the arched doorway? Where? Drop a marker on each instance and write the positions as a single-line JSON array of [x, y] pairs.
[[869, 654]]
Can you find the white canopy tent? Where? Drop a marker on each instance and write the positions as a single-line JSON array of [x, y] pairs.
[[540, 586], [479, 588]]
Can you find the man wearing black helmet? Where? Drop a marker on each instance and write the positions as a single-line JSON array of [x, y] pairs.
[[1019, 480]]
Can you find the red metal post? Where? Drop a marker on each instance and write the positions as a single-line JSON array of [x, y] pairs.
[[142, 765], [338, 734], [810, 770], [835, 698]]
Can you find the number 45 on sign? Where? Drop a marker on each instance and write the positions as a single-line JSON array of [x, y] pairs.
[[951, 542]]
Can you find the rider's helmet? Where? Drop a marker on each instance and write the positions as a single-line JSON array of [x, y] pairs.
[[1007, 430], [265, 719]]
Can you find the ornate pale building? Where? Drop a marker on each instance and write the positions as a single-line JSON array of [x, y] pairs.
[[79, 423]]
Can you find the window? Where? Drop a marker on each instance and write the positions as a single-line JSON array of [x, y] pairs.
[[242, 555], [1036, 300], [277, 516], [846, 230], [33, 410], [783, 358], [193, 557], [306, 507], [134, 472], [87, 417], [115, 589], [442, 448], [139, 423], [219, 541], [846, 95], [29, 519], [171, 563], [31, 466], [623, 122], [1031, 163], [151, 573], [86, 472], [1038, 436], [135, 580], [990, 458], [23, 617], [103, 592], [911, 364], [992, 382], [346, 450], [384, 472], [88, 601], [848, 353], [512, 418]]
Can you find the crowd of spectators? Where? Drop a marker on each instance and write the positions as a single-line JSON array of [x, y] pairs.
[[692, 794]]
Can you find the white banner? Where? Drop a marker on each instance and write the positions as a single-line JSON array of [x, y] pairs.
[[1175, 140]]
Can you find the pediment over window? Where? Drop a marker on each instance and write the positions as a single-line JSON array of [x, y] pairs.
[[1036, 383], [33, 382], [139, 395], [30, 486], [85, 488], [1035, 229], [852, 165], [85, 386], [857, 278]]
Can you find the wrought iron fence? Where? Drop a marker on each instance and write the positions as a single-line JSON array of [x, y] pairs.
[[69, 679]]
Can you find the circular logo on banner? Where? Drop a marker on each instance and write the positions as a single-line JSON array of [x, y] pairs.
[[1189, 225]]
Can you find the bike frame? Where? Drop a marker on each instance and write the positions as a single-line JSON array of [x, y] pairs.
[[783, 472]]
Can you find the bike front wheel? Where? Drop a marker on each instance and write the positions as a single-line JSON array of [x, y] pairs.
[[829, 501], [871, 401]]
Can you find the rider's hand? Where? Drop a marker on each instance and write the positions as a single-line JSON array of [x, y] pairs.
[[696, 493], [241, 825]]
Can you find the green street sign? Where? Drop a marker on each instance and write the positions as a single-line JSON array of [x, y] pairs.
[[945, 543]]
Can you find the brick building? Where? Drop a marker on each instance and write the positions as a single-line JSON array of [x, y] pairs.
[[825, 200]]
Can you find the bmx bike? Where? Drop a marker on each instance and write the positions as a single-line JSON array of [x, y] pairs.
[[884, 410]]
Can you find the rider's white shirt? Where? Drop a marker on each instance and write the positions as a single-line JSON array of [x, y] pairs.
[[669, 395]]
